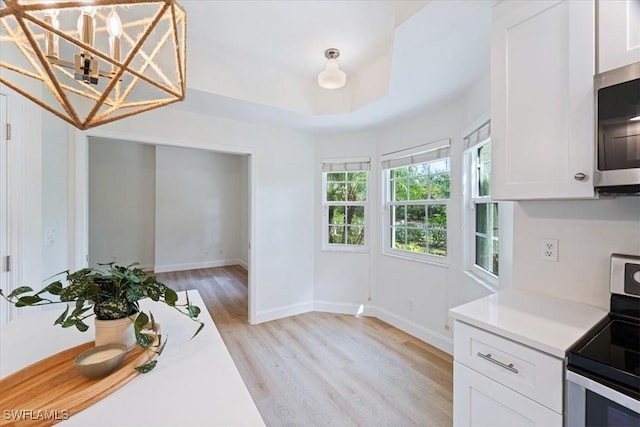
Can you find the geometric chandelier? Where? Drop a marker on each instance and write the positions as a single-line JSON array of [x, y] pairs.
[[91, 62]]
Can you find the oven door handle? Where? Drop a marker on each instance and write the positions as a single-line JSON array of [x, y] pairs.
[[508, 367]]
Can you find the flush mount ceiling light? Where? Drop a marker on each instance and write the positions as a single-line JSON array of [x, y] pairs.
[[332, 77], [79, 60]]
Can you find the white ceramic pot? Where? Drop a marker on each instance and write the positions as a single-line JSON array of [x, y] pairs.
[[119, 331]]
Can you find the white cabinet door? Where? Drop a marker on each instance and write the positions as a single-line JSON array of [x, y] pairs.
[[542, 66], [618, 33], [480, 401]]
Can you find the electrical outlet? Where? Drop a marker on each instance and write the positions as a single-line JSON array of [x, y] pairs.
[[550, 249], [412, 304]]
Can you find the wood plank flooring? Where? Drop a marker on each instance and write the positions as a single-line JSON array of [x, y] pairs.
[[323, 369]]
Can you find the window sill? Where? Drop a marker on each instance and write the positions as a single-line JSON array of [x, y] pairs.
[[346, 248], [444, 263], [490, 285]]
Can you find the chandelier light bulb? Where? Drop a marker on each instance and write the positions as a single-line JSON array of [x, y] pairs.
[[332, 77], [114, 24], [114, 28]]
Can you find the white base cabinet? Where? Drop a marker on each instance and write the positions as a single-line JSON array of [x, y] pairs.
[[509, 351], [499, 382], [542, 99], [480, 401]]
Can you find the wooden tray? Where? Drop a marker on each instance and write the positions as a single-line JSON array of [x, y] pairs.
[[52, 390]]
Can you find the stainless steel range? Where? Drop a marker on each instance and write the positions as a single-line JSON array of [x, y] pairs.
[[603, 368]]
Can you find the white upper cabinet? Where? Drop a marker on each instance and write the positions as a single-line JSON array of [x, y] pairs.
[[542, 102], [618, 33]]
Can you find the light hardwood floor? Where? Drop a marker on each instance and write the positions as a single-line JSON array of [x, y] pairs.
[[322, 368]]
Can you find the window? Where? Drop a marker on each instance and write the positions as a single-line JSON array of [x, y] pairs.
[[482, 216], [344, 196], [417, 199]]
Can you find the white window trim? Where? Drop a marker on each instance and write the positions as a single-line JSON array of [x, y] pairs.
[[333, 247], [387, 249], [470, 198]]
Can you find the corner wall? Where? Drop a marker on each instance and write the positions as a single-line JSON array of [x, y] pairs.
[[384, 283]]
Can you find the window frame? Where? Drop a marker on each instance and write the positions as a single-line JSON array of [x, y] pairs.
[[345, 247], [471, 200], [388, 204]]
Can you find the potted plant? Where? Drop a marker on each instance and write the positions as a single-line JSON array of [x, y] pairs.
[[110, 295]]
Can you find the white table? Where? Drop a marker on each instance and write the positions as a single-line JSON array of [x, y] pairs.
[[195, 382]]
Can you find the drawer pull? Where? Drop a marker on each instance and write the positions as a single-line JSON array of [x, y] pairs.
[[499, 363]]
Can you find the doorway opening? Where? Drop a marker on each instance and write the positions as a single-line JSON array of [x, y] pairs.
[[171, 209]]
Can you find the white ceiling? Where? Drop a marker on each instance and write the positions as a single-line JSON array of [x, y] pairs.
[[259, 60]]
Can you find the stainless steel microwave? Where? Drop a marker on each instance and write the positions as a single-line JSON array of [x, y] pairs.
[[617, 95]]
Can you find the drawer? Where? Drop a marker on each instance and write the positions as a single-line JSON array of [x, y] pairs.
[[523, 369]]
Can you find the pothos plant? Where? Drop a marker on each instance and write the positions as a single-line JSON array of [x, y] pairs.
[[108, 295]]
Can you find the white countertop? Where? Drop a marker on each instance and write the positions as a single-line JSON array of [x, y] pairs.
[[195, 382], [543, 322]]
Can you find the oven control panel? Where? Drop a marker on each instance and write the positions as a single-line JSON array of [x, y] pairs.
[[625, 275]]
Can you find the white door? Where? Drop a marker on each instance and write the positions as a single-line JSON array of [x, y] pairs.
[[5, 310]]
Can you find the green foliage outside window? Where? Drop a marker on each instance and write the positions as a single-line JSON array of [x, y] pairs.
[[418, 222], [486, 233], [487, 237], [345, 194], [484, 170]]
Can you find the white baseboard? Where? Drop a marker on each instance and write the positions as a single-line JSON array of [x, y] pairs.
[[440, 341], [244, 264], [343, 308], [281, 312], [195, 265], [146, 267], [437, 340]]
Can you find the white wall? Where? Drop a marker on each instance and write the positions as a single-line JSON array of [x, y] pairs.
[[343, 280], [121, 202], [55, 195], [282, 196], [198, 209], [429, 285], [588, 231]]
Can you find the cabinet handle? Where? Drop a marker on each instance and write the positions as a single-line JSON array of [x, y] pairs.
[[508, 367], [579, 176]]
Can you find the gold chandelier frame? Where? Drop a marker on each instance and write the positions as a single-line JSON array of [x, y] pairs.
[[28, 31]]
